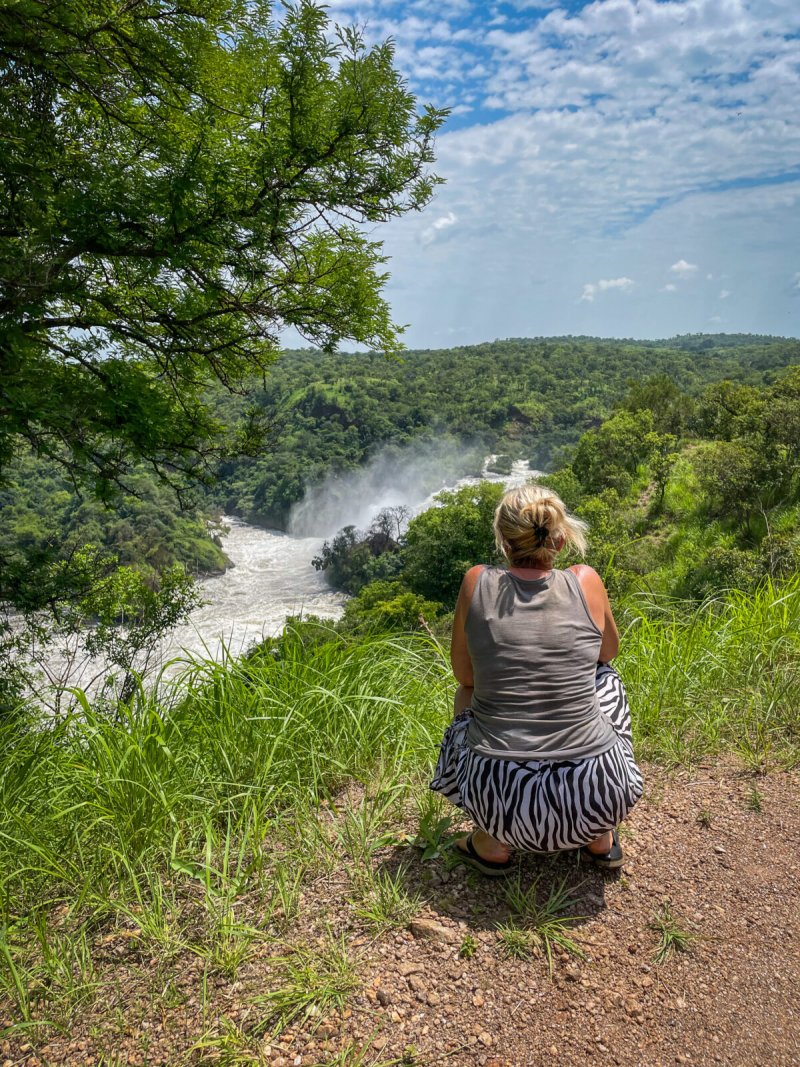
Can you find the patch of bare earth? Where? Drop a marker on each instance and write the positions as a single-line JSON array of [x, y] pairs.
[[730, 873]]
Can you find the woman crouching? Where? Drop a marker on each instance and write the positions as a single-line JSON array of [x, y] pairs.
[[539, 754]]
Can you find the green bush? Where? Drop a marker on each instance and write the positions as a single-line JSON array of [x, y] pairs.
[[445, 541]]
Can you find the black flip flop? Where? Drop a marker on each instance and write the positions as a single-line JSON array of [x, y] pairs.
[[470, 857], [610, 860]]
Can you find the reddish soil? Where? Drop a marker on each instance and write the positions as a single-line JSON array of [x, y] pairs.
[[732, 998]]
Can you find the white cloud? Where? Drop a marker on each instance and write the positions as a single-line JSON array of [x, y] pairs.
[[683, 269], [450, 219], [628, 131], [591, 289], [724, 294], [444, 222]]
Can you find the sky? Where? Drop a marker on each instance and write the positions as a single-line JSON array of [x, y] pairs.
[[622, 168]]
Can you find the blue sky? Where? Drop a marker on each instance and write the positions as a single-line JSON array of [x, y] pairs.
[[625, 168]]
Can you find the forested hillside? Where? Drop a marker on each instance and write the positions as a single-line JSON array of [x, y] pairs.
[[327, 413], [684, 496], [529, 397]]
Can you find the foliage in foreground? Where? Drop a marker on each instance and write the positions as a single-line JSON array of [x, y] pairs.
[[182, 185], [208, 793]]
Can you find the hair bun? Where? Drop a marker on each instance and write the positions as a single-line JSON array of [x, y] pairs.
[[527, 519]]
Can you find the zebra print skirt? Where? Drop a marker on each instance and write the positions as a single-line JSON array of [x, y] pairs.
[[545, 805]]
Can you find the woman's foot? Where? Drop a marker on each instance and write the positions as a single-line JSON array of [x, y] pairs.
[[611, 858], [601, 844], [485, 853]]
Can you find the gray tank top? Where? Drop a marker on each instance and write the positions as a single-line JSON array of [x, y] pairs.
[[534, 648]]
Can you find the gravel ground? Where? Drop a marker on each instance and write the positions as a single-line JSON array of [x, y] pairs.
[[731, 875]]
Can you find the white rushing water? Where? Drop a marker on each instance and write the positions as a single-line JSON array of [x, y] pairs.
[[272, 576]]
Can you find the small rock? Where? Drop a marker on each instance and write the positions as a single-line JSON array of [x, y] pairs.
[[433, 931], [478, 1001], [433, 999], [405, 969], [634, 1009], [554, 1050], [396, 1017], [485, 1038], [719, 849], [417, 983], [384, 997]]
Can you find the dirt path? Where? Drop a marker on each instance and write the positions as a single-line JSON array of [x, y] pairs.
[[730, 872], [733, 999]]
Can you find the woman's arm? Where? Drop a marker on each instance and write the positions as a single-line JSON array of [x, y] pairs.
[[600, 609], [459, 653]]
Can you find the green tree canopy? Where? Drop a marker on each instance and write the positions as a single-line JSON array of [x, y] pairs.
[[178, 184], [607, 458], [445, 541]]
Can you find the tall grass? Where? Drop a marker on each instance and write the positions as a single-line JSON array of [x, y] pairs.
[[721, 676], [205, 787], [183, 772]]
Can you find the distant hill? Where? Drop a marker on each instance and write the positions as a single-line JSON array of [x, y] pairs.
[[526, 397], [328, 413]]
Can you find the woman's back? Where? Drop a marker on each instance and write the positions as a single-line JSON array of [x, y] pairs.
[[534, 650]]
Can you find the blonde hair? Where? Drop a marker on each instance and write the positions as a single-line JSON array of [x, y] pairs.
[[529, 522]]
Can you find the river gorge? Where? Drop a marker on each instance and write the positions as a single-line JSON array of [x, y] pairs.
[[272, 575]]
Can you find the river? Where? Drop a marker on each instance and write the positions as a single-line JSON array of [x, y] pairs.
[[272, 577]]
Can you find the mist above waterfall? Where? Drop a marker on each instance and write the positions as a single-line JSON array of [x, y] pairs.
[[396, 476]]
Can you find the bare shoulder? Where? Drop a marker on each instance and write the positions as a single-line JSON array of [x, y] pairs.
[[594, 593], [471, 578], [590, 581], [586, 574], [479, 568]]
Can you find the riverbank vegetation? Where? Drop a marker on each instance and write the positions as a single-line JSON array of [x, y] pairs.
[[685, 496], [522, 398], [324, 415]]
